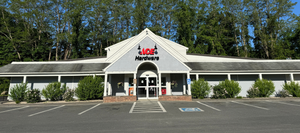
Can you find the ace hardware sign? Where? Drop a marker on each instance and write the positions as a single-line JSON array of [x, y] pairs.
[[147, 54]]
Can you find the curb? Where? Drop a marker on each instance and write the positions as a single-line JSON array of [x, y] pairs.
[[249, 99], [52, 102]]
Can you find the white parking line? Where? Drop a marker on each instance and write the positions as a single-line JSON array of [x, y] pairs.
[[250, 105], [14, 109], [132, 107], [161, 106], [45, 111], [89, 109], [208, 106], [285, 103]]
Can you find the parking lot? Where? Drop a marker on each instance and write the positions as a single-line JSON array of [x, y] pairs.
[[154, 116]]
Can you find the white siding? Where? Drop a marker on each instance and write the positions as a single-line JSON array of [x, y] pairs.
[[278, 81], [213, 80], [245, 82]]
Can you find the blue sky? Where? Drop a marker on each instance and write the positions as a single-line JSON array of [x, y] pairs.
[[296, 7]]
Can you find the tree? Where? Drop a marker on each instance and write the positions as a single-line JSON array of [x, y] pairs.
[[185, 17], [268, 19], [140, 15]]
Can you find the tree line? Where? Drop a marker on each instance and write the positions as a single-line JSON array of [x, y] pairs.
[[51, 30]]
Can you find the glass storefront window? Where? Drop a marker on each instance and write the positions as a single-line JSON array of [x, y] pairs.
[[130, 81], [163, 81]]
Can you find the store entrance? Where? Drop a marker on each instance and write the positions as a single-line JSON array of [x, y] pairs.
[[147, 87], [147, 81]]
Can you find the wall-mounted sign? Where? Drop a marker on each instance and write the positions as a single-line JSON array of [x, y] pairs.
[[188, 81], [149, 52]]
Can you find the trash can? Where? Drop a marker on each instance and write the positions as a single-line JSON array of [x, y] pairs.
[[163, 91]]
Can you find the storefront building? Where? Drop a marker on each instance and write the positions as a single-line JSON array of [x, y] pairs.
[[148, 66]]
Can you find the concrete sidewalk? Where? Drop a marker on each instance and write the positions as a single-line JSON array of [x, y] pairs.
[[249, 99], [52, 102]]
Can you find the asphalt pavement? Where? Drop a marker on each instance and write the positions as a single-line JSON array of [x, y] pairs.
[[208, 116]]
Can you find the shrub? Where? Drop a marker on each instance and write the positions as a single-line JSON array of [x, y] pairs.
[[89, 88], [292, 88], [219, 92], [265, 87], [239, 97], [4, 85], [200, 88], [33, 96], [54, 91], [253, 92], [282, 93], [17, 93], [4, 93], [69, 94], [226, 89], [232, 88]]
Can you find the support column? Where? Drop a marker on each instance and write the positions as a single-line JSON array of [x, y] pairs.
[[184, 86], [59, 78], [228, 77], [126, 84], [189, 85], [109, 86], [260, 76], [94, 75], [134, 85], [105, 85], [24, 79], [168, 84], [292, 77], [197, 77], [159, 82]]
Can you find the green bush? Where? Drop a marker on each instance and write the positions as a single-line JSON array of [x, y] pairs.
[[90, 88], [219, 92], [239, 97], [232, 88], [226, 89], [265, 87], [292, 88], [69, 94], [253, 92], [200, 88], [282, 93], [4, 84], [33, 96], [54, 91], [17, 93]]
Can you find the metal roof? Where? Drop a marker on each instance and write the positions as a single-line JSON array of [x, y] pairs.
[[195, 66], [53, 68], [243, 66], [226, 56]]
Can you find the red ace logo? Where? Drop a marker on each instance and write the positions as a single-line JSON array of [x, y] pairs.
[[147, 51]]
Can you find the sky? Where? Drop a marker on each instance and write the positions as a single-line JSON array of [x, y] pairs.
[[296, 9]]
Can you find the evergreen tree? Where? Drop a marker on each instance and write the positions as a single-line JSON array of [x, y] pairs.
[[185, 17]]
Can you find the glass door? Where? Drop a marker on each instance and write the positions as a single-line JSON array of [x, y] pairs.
[[152, 87], [142, 87], [147, 87]]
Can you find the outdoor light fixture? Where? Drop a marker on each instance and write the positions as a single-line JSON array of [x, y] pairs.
[[155, 49]]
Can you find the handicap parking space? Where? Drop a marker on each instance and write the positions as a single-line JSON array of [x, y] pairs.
[[173, 110]]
